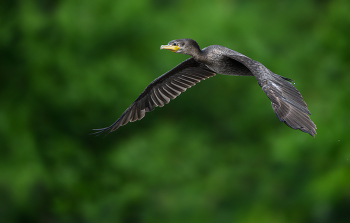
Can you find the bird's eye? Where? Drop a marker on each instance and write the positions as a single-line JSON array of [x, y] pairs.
[[174, 44]]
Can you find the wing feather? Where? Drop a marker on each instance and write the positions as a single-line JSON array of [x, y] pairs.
[[286, 100], [160, 91]]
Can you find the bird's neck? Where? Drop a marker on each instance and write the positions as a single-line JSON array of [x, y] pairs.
[[198, 55]]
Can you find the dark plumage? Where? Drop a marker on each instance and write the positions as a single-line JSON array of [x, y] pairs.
[[287, 102]]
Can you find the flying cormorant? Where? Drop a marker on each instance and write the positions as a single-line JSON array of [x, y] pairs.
[[287, 102]]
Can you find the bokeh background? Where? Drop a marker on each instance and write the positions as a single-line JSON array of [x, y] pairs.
[[215, 154]]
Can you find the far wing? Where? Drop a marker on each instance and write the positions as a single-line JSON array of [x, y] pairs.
[[161, 90]]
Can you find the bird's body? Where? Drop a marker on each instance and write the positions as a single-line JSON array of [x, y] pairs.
[[217, 58], [287, 102]]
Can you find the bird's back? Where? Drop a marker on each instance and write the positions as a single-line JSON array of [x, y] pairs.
[[222, 63]]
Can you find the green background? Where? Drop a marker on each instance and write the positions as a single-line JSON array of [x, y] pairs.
[[215, 154]]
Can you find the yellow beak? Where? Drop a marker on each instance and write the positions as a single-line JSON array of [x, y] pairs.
[[169, 47]]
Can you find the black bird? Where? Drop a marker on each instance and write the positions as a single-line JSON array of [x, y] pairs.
[[287, 102]]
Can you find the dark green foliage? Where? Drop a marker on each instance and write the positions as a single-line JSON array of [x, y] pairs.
[[217, 153]]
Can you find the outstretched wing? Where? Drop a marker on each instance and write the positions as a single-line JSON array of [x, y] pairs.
[[286, 101], [161, 90]]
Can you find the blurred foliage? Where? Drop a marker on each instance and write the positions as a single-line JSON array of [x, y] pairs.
[[215, 154]]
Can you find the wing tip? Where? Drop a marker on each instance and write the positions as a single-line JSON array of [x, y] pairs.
[[311, 132], [309, 127], [99, 132]]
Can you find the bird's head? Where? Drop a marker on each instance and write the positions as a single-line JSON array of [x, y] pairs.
[[183, 46]]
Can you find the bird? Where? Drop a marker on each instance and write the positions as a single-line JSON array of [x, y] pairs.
[[287, 102]]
